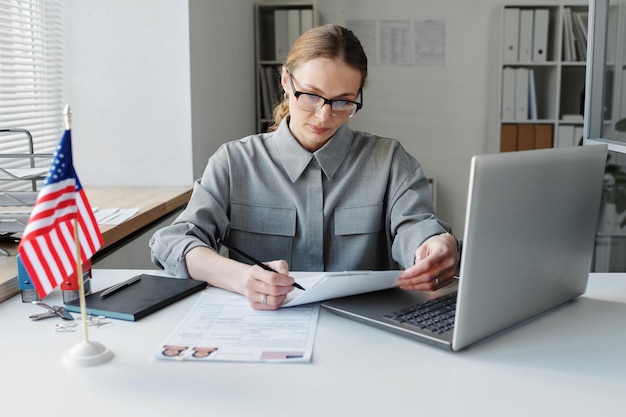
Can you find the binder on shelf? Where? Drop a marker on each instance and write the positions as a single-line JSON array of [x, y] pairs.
[[265, 95], [281, 40], [293, 26], [579, 30], [525, 137], [508, 137], [579, 42], [567, 52], [543, 136], [532, 95], [273, 87], [521, 94], [306, 20], [565, 137], [569, 44], [511, 34], [540, 35], [508, 93], [526, 35]]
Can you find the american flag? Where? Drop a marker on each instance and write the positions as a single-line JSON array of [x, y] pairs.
[[47, 247]]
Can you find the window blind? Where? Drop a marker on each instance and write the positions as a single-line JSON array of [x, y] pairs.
[[31, 77]]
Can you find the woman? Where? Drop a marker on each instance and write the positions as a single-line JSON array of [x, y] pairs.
[[311, 195]]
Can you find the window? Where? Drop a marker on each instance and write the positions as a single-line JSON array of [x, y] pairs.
[[605, 122], [31, 78]]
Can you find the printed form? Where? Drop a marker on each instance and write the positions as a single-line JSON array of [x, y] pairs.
[[223, 327]]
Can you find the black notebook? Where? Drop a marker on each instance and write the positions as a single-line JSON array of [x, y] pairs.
[[149, 294]]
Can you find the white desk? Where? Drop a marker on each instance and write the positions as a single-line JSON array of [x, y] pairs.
[[571, 362]]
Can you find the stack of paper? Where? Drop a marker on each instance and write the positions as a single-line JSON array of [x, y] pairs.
[[114, 216]]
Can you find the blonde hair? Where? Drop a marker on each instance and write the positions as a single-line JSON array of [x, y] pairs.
[[327, 41]]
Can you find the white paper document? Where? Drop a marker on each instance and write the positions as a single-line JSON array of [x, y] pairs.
[[222, 326], [114, 216], [329, 285], [27, 173]]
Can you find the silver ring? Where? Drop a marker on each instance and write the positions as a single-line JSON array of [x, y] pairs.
[[264, 299], [437, 282]]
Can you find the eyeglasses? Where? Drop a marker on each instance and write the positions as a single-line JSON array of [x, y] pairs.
[[311, 103]]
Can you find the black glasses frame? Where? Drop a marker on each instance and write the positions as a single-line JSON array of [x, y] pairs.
[[330, 102]]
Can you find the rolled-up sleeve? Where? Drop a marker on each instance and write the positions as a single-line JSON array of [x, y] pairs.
[[412, 218], [204, 218], [411, 211]]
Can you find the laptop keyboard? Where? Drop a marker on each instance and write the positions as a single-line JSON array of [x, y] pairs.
[[436, 315]]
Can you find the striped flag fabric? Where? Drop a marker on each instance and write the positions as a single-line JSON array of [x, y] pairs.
[[47, 247]]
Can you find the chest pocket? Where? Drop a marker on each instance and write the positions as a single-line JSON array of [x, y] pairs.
[[359, 220], [266, 233]]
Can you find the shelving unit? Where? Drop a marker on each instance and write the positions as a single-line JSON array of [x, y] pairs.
[[276, 27], [21, 174], [541, 84]]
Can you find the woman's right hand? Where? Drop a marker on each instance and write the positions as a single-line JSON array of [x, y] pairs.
[[257, 284], [267, 290]]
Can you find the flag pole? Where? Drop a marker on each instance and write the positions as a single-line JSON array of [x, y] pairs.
[[81, 284], [85, 353], [79, 263]]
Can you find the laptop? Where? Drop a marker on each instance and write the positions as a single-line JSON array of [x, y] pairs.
[[528, 243]]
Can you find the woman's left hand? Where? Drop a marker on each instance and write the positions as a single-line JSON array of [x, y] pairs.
[[435, 264]]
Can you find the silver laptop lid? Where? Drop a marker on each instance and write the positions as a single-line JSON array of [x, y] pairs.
[[530, 227]]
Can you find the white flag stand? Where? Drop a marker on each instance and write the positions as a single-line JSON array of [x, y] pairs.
[[87, 352]]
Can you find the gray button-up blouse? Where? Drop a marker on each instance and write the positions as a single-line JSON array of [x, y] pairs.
[[359, 202]]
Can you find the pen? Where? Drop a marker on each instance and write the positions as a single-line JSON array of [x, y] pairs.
[[118, 287], [251, 259]]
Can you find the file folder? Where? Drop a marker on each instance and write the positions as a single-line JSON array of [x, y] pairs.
[[540, 35], [521, 94], [508, 93], [306, 20], [70, 286], [543, 136], [24, 283], [525, 137], [510, 34], [293, 26], [532, 96], [508, 138], [565, 137], [526, 35], [281, 40]]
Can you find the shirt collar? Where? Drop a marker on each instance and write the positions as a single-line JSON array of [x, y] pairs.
[[295, 158]]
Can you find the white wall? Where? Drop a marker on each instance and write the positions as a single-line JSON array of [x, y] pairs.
[[222, 75], [156, 85]]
